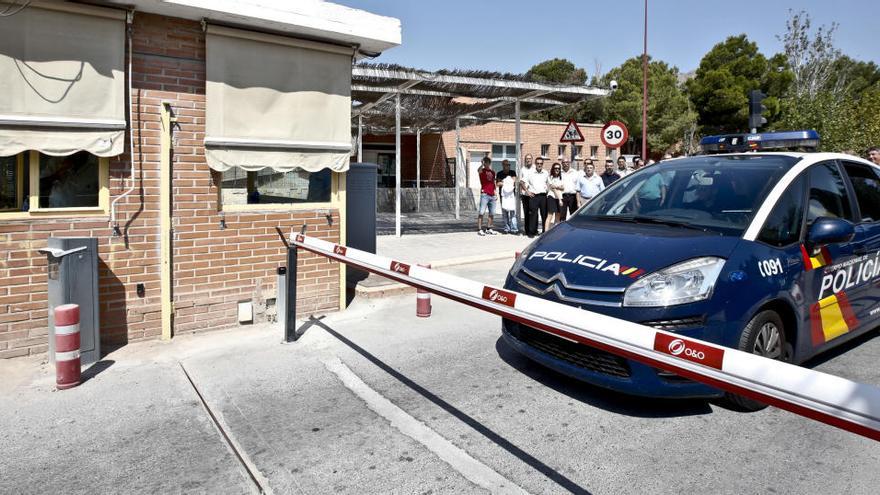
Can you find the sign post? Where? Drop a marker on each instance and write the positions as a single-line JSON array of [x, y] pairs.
[[614, 134], [572, 134]]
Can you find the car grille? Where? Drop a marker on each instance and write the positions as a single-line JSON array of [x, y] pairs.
[[558, 288], [579, 355], [676, 324]]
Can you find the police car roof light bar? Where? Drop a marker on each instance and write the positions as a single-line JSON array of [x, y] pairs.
[[761, 141]]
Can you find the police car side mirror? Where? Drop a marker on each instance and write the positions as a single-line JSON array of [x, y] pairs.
[[826, 230]]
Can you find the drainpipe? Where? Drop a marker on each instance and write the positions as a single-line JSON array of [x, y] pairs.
[[129, 16], [165, 219]]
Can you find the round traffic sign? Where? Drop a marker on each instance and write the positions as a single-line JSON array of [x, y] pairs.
[[614, 134]]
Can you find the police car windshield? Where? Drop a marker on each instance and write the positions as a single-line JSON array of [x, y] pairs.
[[715, 193]]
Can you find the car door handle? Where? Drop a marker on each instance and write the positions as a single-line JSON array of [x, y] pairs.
[[860, 249]]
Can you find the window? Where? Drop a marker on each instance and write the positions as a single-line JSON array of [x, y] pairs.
[[13, 182], [34, 182], [867, 188], [827, 194], [502, 152], [608, 152], [578, 151], [783, 225], [268, 187], [561, 149], [545, 150], [594, 152]]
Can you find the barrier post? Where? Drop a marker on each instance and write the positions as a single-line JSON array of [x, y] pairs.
[[423, 299], [290, 296], [68, 367]]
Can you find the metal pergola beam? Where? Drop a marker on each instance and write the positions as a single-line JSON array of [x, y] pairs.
[[403, 75]]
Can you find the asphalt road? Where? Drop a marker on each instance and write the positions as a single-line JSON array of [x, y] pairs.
[[376, 400]]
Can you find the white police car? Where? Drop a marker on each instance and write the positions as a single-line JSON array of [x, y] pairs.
[[775, 253]]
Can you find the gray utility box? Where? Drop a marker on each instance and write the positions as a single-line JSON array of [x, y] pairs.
[[360, 215], [73, 279]]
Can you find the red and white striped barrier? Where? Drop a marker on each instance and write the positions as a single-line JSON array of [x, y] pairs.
[[827, 398], [67, 361]]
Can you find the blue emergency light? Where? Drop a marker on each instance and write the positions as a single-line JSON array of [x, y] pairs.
[[762, 141]]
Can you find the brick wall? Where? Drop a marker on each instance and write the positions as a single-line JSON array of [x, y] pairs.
[[533, 134], [213, 268]]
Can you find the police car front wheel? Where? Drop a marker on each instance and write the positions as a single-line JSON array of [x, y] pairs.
[[765, 336]]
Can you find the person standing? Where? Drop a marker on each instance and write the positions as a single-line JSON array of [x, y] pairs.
[[609, 176], [589, 185], [524, 195], [874, 155], [487, 197], [504, 173], [508, 204], [537, 187], [622, 169], [555, 188], [638, 164], [570, 177]]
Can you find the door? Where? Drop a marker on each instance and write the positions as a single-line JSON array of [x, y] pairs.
[[864, 182], [831, 277]]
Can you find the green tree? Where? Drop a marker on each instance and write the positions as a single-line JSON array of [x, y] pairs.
[[557, 70], [669, 115], [831, 93], [719, 90]]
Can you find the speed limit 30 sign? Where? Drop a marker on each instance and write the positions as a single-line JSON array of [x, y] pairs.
[[614, 134]]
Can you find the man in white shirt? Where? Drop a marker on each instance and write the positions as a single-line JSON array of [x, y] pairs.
[[536, 184], [524, 195], [589, 185], [569, 191]]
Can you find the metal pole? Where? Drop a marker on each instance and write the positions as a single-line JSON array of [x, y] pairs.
[[290, 296], [397, 164], [457, 166], [645, 90], [360, 139], [518, 137], [418, 170]]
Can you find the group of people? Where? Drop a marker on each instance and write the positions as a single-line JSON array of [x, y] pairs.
[[552, 194]]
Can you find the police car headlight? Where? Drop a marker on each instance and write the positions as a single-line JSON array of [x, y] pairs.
[[685, 282]]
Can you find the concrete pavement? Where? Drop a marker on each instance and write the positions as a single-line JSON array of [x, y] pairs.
[[437, 405], [461, 253]]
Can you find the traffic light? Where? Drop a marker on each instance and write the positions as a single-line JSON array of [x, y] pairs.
[[756, 108]]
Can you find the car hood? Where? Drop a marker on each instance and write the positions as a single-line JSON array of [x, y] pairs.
[[614, 255]]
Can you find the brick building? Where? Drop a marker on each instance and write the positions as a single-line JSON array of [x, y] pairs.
[[493, 138], [240, 123]]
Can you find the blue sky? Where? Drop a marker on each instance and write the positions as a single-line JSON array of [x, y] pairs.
[[513, 35]]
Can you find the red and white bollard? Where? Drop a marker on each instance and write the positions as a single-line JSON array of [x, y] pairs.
[[423, 299], [67, 362]]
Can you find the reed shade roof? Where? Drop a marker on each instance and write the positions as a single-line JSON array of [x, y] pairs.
[[432, 101]]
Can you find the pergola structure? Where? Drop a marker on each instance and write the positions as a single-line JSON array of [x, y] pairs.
[[387, 98]]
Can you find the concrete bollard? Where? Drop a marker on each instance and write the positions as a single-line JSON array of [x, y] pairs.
[[423, 299], [68, 367]]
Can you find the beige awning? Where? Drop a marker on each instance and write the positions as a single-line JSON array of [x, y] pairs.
[[276, 102], [62, 80]]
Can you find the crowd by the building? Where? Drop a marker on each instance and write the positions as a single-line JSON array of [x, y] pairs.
[[548, 196]]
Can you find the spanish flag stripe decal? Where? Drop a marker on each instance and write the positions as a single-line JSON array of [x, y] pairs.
[[816, 333], [808, 265], [630, 270], [846, 308]]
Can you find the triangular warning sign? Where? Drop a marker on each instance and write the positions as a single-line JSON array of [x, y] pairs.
[[572, 133]]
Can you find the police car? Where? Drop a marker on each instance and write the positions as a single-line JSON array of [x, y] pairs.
[[774, 253]]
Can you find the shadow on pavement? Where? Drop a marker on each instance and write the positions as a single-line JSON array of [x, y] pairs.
[[95, 369], [599, 397], [841, 349], [480, 428]]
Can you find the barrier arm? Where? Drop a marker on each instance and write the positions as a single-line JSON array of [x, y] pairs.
[[833, 400]]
